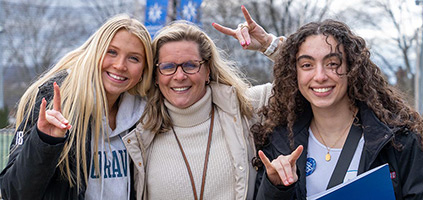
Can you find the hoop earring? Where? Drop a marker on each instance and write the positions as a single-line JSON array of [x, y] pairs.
[[140, 80]]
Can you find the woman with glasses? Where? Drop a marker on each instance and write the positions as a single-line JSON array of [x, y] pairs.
[[194, 134]]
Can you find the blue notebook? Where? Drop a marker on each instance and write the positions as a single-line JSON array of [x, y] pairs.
[[374, 184]]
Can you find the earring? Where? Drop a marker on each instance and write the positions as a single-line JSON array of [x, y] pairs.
[[208, 82], [140, 80]]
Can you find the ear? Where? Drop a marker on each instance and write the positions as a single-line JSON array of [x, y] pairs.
[[208, 75], [208, 71]]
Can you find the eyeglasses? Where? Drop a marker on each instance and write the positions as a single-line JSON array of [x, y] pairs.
[[189, 67]]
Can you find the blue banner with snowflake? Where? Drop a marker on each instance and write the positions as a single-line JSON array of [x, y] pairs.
[[155, 15], [190, 10]]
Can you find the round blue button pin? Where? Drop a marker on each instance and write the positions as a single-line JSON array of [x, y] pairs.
[[310, 166]]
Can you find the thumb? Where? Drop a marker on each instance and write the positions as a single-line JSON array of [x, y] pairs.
[[296, 154], [264, 159], [223, 29]]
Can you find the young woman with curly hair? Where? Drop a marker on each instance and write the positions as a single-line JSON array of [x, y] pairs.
[[329, 99]]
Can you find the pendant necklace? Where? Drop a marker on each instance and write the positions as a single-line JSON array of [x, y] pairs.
[[328, 156]]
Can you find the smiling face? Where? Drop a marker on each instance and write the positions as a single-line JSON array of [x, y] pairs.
[[318, 72], [123, 64], [181, 89]]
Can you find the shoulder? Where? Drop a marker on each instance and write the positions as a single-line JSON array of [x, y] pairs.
[[47, 87], [278, 143], [407, 139]]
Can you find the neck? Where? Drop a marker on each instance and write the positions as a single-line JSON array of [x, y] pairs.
[[112, 110], [332, 127]]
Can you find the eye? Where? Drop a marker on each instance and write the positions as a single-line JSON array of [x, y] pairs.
[[134, 58], [306, 65], [190, 65], [166, 66], [333, 65], [112, 52]]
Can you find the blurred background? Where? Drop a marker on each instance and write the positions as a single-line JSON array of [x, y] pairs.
[[35, 33]]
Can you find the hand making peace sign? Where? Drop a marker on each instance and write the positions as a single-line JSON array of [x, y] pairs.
[[52, 122], [249, 34]]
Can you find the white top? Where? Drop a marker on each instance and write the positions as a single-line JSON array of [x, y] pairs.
[[167, 176], [317, 181]]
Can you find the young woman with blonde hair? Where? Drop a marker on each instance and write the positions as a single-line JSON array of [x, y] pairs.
[[74, 149]]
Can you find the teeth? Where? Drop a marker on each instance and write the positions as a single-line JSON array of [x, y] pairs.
[[180, 89], [321, 89], [116, 77]]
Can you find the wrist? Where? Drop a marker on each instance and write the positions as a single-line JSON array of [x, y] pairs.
[[270, 45], [271, 50]]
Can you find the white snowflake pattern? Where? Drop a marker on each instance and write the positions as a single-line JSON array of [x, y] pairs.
[[154, 12], [189, 11]]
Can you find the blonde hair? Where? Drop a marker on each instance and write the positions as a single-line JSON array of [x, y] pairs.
[[84, 101], [155, 117]]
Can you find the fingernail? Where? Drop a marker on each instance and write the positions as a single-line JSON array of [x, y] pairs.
[[63, 126], [291, 180], [242, 6], [286, 183], [248, 43], [66, 121], [213, 24], [242, 43]]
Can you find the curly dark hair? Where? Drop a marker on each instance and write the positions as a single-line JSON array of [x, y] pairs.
[[365, 84]]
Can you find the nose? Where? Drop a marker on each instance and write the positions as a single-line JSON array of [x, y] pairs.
[[320, 73], [179, 74], [120, 63]]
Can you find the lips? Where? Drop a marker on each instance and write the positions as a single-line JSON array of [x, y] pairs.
[[322, 90], [180, 89], [114, 76]]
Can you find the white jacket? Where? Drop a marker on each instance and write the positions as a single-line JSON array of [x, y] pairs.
[[235, 129]]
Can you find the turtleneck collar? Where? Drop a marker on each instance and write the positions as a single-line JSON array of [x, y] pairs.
[[195, 114]]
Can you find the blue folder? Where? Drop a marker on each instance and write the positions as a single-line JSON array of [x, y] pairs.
[[374, 184]]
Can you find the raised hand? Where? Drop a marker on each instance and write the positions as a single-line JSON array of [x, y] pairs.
[[283, 169], [52, 122], [249, 34]]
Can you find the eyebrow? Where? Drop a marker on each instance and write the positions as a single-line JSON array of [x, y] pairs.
[[141, 53], [337, 55]]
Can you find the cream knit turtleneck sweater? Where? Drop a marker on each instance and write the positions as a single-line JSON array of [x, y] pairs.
[[167, 175]]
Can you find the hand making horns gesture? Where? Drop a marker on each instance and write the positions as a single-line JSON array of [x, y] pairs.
[[249, 34], [52, 122], [283, 169]]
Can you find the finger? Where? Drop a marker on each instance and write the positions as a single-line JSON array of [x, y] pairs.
[[287, 175], [281, 169], [238, 35], [56, 98], [52, 118], [42, 113], [264, 159], [247, 16], [296, 154], [58, 116], [223, 29], [246, 35]]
